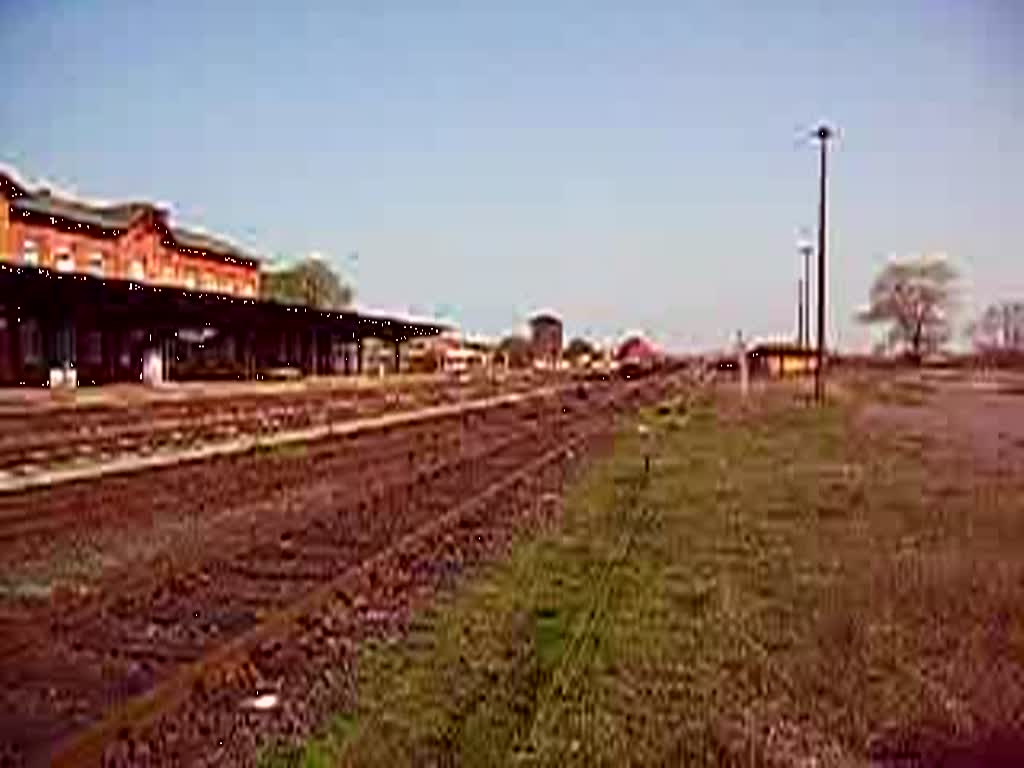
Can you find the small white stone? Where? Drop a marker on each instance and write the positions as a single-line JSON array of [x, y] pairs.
[[262, 703]]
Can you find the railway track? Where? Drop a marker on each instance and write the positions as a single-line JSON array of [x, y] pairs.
[[256, 492], [51, 437], [184, 482], [135, 670]]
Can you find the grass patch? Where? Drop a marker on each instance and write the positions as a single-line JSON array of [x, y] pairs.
[[778, 588], [319, 752]]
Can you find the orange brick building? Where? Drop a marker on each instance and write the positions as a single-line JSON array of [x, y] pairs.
[[132, 241], [94, 293]]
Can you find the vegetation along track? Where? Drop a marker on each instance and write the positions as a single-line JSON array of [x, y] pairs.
[[150, 673]]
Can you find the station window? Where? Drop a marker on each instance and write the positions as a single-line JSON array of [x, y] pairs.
[[30, 253], [191, 279], [96, 263], [136, 270], [64, 261]]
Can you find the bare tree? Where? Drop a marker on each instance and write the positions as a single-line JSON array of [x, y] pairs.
[[1000, 328], [914, 296]]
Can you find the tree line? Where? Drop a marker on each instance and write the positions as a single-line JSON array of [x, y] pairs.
[[517, 351], [310, 282], [915, 300]]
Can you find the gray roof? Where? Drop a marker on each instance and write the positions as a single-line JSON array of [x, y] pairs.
[[188, 238], [107, 217], [120, 217]]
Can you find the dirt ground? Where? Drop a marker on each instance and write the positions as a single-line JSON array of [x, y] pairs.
[[977, 417]]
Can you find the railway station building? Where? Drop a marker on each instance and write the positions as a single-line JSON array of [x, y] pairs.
[[133, 241], [97, 293]]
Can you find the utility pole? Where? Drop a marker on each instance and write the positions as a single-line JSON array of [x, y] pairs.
[[823, 134], [741, 360]]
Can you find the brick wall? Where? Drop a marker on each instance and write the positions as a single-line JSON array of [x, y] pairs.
[[138, 255]]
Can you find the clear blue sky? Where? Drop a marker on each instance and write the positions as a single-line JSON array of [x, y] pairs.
[[630, 165]]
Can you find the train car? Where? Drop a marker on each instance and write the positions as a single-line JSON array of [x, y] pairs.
[[637, 357]]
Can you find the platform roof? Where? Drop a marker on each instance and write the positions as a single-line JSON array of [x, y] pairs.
[[45, 293]]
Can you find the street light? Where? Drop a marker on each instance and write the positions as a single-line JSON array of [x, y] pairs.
[[822, 134], [806, 248], [800, 313]]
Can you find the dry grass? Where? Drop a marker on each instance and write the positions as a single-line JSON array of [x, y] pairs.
[[783, 589]]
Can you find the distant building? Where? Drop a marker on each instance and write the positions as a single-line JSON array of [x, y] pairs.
[[777, 359], [425, 355], [449, 352], [465, 360], [132, 241], [546, 340]]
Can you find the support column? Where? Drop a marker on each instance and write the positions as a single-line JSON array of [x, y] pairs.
[[167, 354], [332, 354], [60, 347], [398, 357], [17, 354], [239, 355], [7, 363], [126, 357], [359, 356], [106, 357], [110, 352], [14, 345], [250, 364], [119, 342]]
